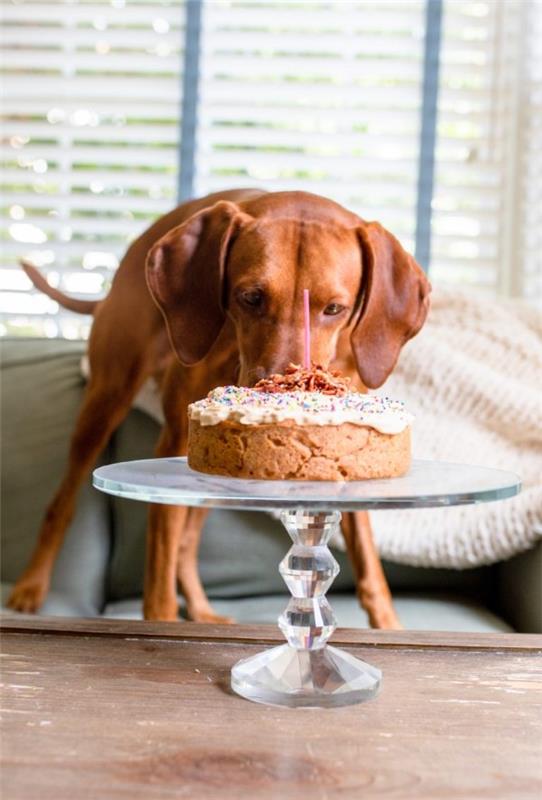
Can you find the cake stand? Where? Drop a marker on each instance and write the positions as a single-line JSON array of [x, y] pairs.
[[306, 671]]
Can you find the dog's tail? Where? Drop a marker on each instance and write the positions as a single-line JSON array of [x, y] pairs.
[[71, 303]]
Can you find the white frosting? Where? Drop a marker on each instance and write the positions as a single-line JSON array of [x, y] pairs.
[[251, 407]]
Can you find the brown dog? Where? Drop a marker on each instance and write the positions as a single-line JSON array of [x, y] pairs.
[[227, 273]]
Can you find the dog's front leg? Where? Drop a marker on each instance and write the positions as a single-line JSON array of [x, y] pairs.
[[372, 587], [172, 553], [165, 526], [174, 531], [198, 607]]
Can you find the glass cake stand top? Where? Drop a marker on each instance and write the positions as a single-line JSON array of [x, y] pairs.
[[427, 484], [306, 671]]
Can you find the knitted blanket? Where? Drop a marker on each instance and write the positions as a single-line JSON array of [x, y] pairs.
[[473, 378]]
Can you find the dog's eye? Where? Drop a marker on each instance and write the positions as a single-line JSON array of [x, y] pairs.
[[333, 309], [252, 298]]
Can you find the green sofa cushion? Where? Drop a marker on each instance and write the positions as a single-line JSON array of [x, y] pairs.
[[441, 611]]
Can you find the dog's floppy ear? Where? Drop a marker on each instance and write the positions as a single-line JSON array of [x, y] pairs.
[[394, 303], [185, 273]]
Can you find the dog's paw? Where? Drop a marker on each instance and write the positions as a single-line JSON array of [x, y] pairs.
[[386, 621], [27, 596], [209, 616]]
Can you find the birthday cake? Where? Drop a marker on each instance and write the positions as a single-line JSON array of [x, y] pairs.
[[303, 425]]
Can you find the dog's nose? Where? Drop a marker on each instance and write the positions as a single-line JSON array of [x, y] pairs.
[[249, 376], [259, 373], [255, 374]]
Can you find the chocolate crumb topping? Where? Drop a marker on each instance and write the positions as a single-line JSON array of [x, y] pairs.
[[301, 379]]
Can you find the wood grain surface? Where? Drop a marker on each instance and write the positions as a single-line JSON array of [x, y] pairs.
[[103, 709]]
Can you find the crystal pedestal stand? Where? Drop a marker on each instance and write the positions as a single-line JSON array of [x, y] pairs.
[[306, 671]]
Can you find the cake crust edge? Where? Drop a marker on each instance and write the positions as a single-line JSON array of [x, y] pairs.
[[286, 451]]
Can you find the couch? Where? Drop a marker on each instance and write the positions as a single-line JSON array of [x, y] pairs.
[[100, 567]]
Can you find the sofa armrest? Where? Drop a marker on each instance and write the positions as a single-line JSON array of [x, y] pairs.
[[41, 393], [520, 590]]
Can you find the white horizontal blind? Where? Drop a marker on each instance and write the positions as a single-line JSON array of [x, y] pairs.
[[488, 147], [315, 96], [470, 140], [530, 156], [319, 96], [90, 124]]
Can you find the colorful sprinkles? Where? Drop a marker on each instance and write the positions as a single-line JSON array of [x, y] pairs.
[[240, 396], [250, 406]]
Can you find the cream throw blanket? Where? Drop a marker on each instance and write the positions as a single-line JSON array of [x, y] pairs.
[[473, 378]]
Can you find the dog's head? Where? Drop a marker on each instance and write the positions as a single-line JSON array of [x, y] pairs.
[[251, 262]]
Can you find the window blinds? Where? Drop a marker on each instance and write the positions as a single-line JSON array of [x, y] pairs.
[[90, 133], [319, 96], [529, 154], [486, 217], [316, 96]]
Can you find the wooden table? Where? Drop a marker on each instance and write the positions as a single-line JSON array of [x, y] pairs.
[[103, 709]]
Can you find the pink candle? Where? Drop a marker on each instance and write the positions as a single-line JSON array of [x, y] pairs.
[[307, 331]]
